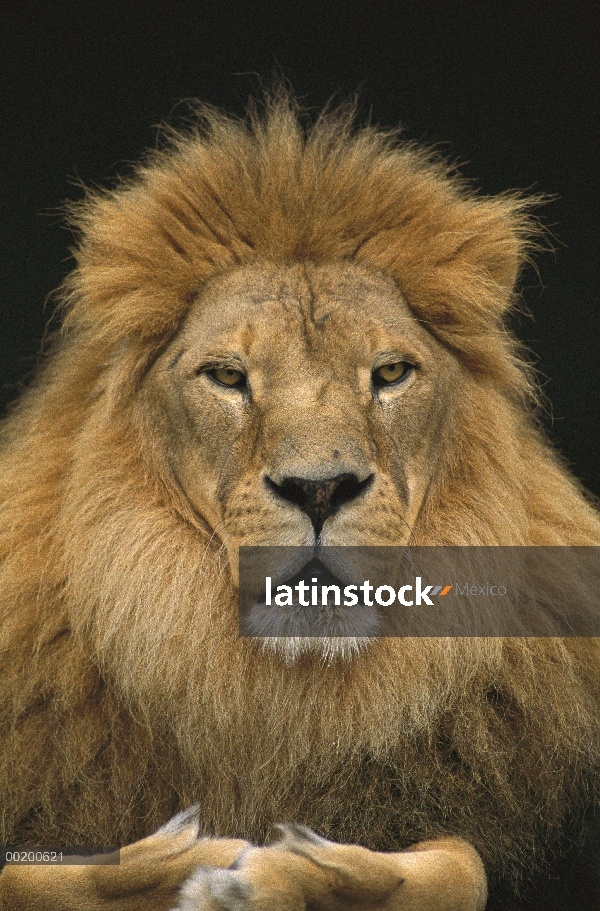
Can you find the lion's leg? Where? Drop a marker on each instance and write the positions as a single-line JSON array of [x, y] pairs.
[[147, 879], [302, 870], [307, 871]]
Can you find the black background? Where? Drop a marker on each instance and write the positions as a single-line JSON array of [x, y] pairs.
[[510, 89]]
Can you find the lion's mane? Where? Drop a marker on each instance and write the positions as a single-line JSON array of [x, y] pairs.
[[125, 692]]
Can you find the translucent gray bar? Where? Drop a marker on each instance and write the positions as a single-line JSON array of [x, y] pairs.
[[58, 857], [419, 591]]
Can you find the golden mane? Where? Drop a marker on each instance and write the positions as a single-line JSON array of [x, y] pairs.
[[118, 647], [230, 192]]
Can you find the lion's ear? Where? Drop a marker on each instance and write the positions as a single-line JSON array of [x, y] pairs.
[[457, 261], [501, 234], [457, 266]]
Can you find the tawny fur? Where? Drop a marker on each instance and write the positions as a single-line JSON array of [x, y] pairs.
[[125, 692]]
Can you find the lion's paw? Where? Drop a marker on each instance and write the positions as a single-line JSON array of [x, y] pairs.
[[210, 888], [304, 870], [261, 879]]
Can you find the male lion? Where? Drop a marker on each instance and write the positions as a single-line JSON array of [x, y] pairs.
[[284, 336]]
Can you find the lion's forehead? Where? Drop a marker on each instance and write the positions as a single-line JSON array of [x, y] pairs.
[[304, 304]]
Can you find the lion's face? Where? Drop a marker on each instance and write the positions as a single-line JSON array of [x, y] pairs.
[[303, 406]]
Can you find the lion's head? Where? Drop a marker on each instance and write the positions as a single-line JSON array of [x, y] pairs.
[[303, 405], [281, 337]]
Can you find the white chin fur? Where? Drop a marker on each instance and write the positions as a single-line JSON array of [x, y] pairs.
[[329, 649]]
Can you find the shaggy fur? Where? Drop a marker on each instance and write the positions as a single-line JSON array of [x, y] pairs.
[[125, 694]]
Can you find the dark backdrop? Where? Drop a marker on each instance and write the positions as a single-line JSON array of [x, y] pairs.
[[508, 88]]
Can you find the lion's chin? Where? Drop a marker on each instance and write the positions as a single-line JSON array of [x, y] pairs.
[[325, 648], [330, 630], [331, 633]]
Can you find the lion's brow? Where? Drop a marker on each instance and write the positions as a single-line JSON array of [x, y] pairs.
[[175, 360]]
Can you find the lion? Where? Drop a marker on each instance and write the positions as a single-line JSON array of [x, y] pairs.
[[279, 334]]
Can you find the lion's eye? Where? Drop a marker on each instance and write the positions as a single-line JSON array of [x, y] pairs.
[[391, 373], [228, 376]]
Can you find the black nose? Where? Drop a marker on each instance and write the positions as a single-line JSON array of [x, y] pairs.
[[321, 498]]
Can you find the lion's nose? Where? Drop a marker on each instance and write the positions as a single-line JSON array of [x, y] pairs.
[[320, 498]]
